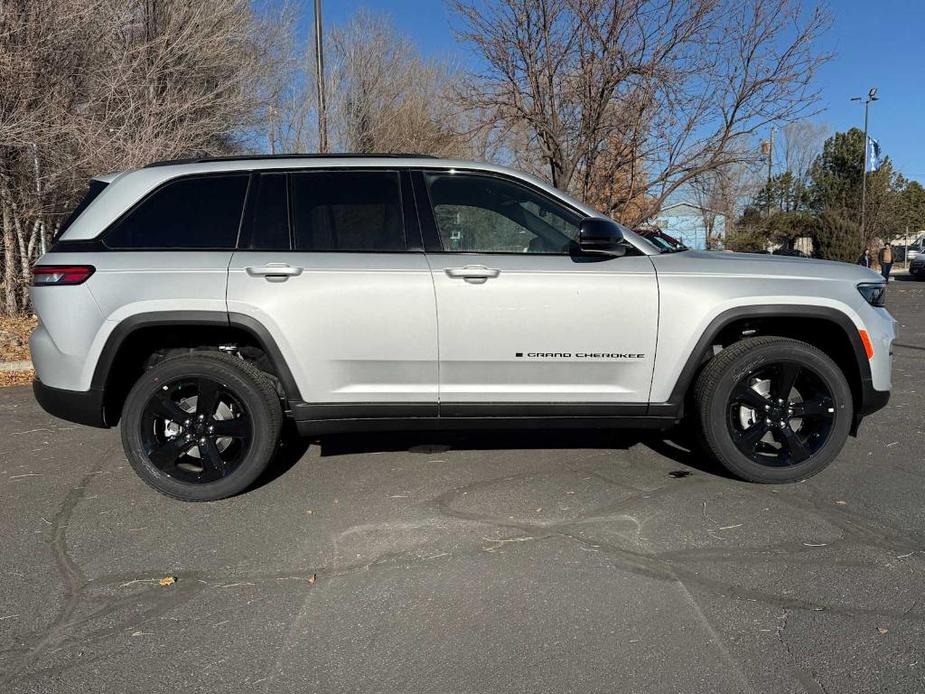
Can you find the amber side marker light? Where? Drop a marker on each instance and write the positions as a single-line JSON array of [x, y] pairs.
[[868, 346]]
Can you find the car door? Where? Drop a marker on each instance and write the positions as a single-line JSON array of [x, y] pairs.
[[330, 264], [527, 325]]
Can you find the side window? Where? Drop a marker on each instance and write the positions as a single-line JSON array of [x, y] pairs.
[[477, 213], [188, 213], [347, 211], [269, 218]]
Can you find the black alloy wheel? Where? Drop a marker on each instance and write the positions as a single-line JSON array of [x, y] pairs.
[[196, 430], [780, 414], [201, 426], [773, 409]]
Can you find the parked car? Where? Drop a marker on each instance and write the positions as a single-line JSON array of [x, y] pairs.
[[660, 239], [202, 303], [916, 249], [899, 250], [917, 267]]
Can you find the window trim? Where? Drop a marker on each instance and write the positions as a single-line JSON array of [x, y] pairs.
[[248, 218], [110, 229], [432, 241]]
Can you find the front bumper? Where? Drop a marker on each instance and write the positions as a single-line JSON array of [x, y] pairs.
[[871, 400], [79, 406]]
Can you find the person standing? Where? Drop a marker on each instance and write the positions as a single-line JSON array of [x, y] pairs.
[[865, 258], [886, 261]]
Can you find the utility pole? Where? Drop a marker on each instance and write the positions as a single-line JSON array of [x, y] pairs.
[[770, 161], [319, 77], [767, 147], [871, 96]]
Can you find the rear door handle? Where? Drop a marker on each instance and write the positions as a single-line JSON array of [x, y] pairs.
[[474, 274], [274, 272]]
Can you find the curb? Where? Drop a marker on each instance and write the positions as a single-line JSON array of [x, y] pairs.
[[24, 365]]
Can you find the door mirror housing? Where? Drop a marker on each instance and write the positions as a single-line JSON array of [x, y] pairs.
[[598, 236]]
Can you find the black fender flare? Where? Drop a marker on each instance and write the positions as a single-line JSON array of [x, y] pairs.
[[251, 325], [868, 400]]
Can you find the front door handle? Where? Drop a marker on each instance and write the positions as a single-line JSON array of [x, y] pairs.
[[474, 274], [274, 272]]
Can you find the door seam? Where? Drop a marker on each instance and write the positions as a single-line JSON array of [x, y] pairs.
[[433, 287]]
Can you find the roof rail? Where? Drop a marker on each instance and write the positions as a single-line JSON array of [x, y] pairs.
[[314, 155]]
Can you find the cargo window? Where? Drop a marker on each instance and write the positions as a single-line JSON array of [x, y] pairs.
[[188, 213], [347, 211]]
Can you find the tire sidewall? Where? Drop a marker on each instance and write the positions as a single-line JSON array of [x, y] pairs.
[[262, 446], [795, 353]]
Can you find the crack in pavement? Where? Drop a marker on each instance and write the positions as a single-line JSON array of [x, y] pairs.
[[808, 679], [669, 566], [71, 575]]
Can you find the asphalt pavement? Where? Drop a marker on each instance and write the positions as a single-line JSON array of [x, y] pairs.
[[524, 562]]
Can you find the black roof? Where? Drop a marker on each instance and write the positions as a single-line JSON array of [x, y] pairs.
[[314, 155]]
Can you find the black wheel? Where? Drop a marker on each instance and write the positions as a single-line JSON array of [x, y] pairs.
[[773, 409], [201, 427]]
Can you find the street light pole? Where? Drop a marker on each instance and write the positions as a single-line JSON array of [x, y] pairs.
[[871, 96], [319, 77]]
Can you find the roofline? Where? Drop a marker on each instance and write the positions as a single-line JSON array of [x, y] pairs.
[[291, 155], [130, 186]]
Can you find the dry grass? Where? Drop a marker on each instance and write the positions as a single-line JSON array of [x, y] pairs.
[[14, 346], [14, 337], [16, 378]]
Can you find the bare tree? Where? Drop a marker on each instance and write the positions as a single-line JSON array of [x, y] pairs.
[[88, 86], [651, 93], [385, 96], [288, 112], [800, 145], [724, 192]]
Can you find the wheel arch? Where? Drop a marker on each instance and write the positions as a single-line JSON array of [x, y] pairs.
[[811, 324], [138, 334]]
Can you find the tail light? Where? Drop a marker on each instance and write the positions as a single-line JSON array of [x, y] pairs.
[[47, 275]]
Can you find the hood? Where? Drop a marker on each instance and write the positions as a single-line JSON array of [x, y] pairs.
[[759, 265]]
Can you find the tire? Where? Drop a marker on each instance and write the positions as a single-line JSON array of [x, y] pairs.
[[744, 381], [201, 427]]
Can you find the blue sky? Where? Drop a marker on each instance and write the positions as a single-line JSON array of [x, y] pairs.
[[877, 44]]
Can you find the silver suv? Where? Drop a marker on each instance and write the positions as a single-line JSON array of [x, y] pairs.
[[205, 302]]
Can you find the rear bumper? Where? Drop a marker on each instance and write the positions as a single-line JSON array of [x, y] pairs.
[[80, 406]]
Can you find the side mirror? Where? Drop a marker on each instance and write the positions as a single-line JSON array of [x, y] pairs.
[[598, 236]]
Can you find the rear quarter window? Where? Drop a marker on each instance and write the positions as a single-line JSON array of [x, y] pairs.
[[93, 191], [197, 213]]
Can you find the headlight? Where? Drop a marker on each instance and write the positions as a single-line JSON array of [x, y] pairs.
[[874, 293]]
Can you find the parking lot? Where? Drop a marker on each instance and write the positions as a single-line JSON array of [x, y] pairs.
[[552, 561]]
